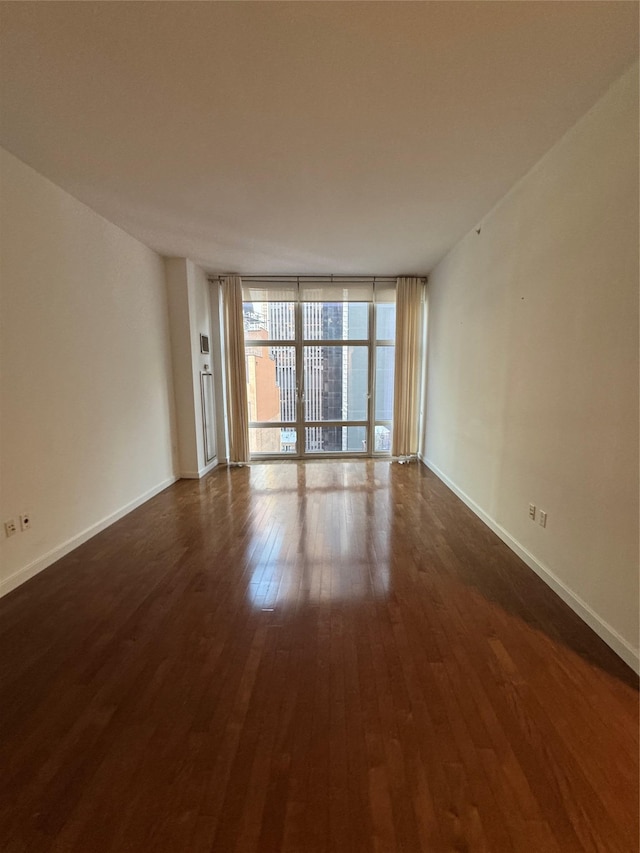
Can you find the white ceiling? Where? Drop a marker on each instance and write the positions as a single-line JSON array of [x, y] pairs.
[[301, 137]]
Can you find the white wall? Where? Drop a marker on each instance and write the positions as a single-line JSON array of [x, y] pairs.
[[532, 375], [86, 386], [190, 316]]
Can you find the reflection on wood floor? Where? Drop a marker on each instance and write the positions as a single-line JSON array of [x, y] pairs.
[[308, 657]]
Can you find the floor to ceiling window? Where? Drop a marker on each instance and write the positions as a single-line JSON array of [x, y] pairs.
[[320, 366]]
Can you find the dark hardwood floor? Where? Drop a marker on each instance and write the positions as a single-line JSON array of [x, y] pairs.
[[307, 658]]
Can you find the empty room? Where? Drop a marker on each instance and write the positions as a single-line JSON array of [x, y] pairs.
[[319, 427]]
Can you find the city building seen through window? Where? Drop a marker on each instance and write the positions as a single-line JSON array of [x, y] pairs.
[[319, 377]]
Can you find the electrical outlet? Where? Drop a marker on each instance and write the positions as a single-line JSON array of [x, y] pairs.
[[532, 512], [10, 527], [543, 518], [25, 521]]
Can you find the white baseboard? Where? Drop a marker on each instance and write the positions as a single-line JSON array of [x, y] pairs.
[[59, 551], [196, 475], [602, 628]]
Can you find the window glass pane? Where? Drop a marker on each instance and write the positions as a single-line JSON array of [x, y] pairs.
[[336, 383], [385, 366], [335, 369], [336, 439], [386, 321], [271, 382], [382, 435], [355, 439], [335, 321], [272, 440], [269, 321]]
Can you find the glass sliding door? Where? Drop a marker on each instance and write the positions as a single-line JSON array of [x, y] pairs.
[[319, 370], [336, 397]]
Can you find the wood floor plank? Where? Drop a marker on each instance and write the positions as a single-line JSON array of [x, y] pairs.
[[322, 657]]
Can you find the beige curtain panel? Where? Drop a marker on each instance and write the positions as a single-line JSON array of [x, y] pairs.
[[406, 403], [236, 373]]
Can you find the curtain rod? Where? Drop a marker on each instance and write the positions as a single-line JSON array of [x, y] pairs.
[[298, 278]]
